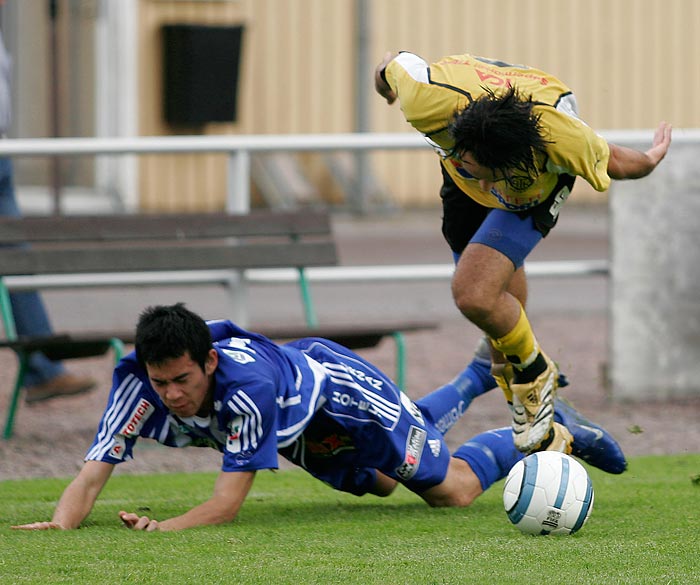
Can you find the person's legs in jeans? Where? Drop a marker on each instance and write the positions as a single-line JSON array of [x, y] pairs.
[[31, 318]]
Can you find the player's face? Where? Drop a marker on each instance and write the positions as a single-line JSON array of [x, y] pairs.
[[487, 177], [182, 385]]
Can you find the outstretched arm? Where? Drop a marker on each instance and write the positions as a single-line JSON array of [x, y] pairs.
[[230, 490], [628, 163], [77, 499]]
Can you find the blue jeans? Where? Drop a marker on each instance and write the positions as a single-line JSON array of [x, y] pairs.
[[28, 308]]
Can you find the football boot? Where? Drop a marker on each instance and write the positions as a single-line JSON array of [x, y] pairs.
[[535, 402], [591, 442]]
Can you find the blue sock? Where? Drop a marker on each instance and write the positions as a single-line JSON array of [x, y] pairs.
[[448, 403], [490, 455]]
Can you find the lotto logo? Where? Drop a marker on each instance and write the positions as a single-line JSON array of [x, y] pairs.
[[118, 450]]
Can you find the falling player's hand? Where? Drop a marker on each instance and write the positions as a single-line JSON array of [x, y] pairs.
[[136, 522], [38, 526]]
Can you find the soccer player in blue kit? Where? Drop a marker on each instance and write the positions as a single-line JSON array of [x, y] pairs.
[[316, 403]]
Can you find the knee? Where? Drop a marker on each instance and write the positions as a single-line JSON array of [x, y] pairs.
[[474, 303]]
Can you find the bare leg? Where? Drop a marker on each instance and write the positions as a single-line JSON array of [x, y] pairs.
[[460, 487], [480, 289], [384, 486]]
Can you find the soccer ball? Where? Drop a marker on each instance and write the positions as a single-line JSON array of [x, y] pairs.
[[548, 493]]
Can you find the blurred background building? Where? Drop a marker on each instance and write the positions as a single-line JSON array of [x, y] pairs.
[[98, 68]]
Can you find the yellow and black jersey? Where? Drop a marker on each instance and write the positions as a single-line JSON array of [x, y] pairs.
[[430, 95]]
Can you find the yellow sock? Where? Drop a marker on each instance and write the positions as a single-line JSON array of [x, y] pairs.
[[519, 345], [503, 374]]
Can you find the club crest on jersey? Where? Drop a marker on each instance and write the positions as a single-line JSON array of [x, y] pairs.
[[240, 343], [233, 441], [521, 182], [239, 356], [414, 449]]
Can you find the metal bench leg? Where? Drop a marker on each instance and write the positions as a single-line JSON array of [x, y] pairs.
[[400, 359], [14, 399], [118, 349]]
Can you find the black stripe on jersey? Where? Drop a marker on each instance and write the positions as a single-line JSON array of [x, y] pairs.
[[561, 97], [452, 87], [434, 132]]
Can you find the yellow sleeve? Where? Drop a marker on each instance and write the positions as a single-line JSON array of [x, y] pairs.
[[428, 108], [576, 149]]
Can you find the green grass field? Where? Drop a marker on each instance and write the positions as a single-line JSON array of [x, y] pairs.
[[645, 528]]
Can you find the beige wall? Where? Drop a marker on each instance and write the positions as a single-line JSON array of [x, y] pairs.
[[631, 63], [33, 87], [296, 56]]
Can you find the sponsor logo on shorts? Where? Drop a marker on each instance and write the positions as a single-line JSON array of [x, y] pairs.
[[447, 420], [359, 375], [414, 449], [138, 416], [559, 200]]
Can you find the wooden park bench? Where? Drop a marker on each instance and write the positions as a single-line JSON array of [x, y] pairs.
[[217, 246]]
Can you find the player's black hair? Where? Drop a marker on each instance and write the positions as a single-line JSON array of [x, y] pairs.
[[168, 332], [501, 131]]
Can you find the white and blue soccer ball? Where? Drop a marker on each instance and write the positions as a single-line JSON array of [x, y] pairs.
[[548, 493]]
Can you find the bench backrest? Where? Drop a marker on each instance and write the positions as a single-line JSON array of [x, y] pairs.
[[153, 242], [164, 242]]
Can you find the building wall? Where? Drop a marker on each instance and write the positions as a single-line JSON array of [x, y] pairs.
[[631, 63], [27, 32], [294, 79]]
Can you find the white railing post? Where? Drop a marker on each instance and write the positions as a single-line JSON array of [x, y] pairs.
[[238, 201], [238, 182]]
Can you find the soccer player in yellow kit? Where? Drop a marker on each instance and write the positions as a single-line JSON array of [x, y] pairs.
[[511, 145]]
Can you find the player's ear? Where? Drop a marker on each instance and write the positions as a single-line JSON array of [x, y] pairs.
[[211, 363]]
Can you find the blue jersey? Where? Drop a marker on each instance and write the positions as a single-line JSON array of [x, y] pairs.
[[317, 403]]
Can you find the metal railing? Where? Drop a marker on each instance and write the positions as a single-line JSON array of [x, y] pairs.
[[240, 147], [273, 276], [239, 150]]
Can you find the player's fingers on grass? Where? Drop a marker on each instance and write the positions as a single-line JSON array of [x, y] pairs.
[[129, 519], [37, 526]]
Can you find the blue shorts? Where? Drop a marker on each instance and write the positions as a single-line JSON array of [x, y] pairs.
[[365, 423], [513, 233]]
